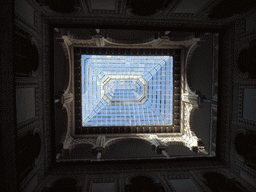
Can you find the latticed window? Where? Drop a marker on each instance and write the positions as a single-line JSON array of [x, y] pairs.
[[126, 90]]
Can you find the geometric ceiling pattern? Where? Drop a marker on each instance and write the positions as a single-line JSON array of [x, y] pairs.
[[126, 90]]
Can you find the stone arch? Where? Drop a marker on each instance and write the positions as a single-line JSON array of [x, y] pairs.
[[152, 177], [138, 148], [27, 54], [229, 8], [66, 182], [218, 181], [75, 145], [245, 146], [62, 59], [38, 145], [188, 56], [241, 48], [143, 8], [61, 127], [82, 150], [237, 136], [136, 37], [68, 132], [181, 36], [240, 144], [215, 178], [143, 183], [196, 69], [192, 112], [174, 147], [66, 49], [29, 152], [245, 61], [120, 139], [60, 6], [37, 55]]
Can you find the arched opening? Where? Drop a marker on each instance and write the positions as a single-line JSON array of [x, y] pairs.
[[144, 8], [67, 184], [219, 182], [143, 183], [250, 156], [64, 184], [181, 36], [131, 37], [199, 75], [60, 6], [228, 8], [29, 147], [130, 148], [36, 146], [240, 144], [26, 57], [245, 146], [216, 181], [247, 59], [81, 151], [61, 125], [61, 67], [63, 6], [178, 149]]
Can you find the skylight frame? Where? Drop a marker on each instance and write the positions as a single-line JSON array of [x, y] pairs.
[[79, 129]]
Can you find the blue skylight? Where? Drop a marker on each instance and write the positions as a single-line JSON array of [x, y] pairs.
[[126, 90]]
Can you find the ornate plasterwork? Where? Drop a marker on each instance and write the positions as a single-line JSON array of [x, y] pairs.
[[67, 99], [160, 141], [99, 41]]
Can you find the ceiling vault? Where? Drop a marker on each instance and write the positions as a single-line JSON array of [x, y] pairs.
[[159, 140]]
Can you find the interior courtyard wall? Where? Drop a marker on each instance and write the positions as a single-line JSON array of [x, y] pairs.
[[29, 101], [245, 31], [229, 57]]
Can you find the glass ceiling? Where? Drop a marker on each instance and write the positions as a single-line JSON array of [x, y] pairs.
[[126, 90]]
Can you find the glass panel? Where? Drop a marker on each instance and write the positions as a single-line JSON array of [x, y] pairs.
[[126, 90]]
